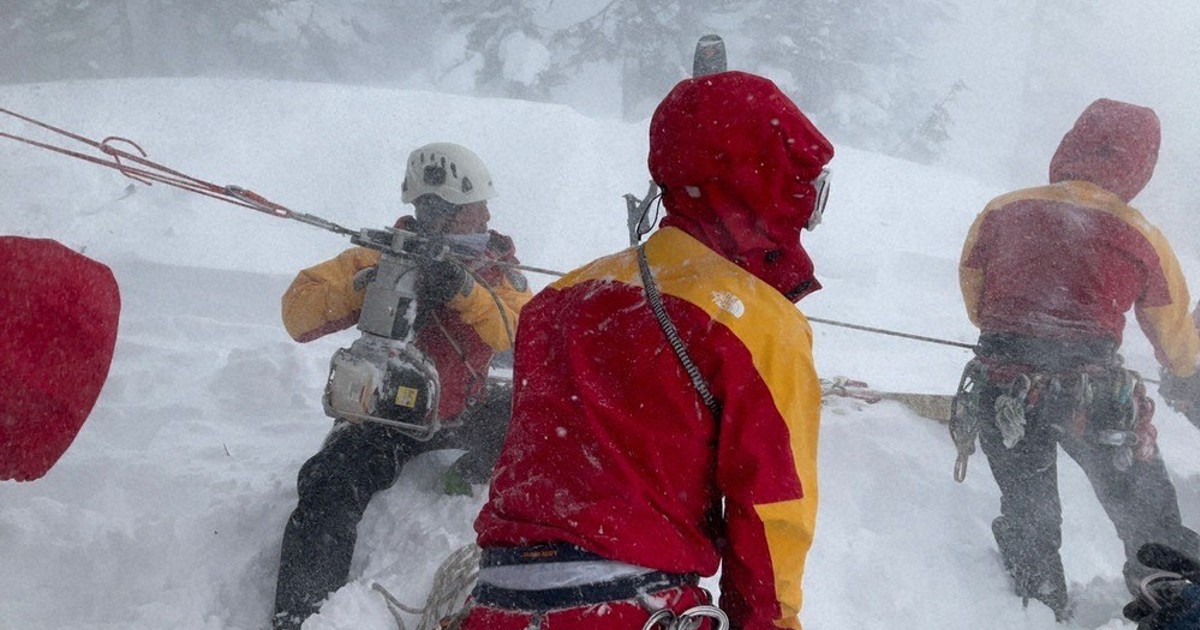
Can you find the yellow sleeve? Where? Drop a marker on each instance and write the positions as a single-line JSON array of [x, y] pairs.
[[322, 298], [494, 319], [970, 279]]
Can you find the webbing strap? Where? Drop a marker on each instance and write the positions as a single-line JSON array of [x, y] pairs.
[[654, 297]]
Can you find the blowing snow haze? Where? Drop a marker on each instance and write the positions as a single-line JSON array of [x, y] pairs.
[[987, 87], [168, 509]]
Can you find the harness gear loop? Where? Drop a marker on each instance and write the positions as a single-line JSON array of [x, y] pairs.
[[965, 415], [1010, 410]]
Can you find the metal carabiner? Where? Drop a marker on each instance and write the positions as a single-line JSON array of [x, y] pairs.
[[689, 619], [661, 617], [696, 613]]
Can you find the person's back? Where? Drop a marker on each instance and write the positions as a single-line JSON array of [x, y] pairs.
[[614, 403], [620, 480], [1066, 261], [1047, 274]]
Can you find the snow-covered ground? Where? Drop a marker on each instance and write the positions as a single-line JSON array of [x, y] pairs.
[[167, 511]]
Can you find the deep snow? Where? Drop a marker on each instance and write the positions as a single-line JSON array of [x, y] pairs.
[[168, 509]]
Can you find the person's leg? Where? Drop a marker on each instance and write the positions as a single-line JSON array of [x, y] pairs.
[[1140, 501], [1029, 528], [335, 486], [482, 436]]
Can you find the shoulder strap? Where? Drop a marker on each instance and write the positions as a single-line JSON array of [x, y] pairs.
[[654, 297]]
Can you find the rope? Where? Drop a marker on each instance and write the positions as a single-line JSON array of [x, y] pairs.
[[883, 331], [147, 172], [668, 327]]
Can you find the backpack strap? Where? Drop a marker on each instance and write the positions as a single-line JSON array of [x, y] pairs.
[[654, 297]]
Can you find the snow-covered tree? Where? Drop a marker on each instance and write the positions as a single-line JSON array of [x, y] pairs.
[[652, 40], [1057, 33], [523, 48], [504, 47], [57, 39], [927, 140], [849, 64], [354, 41]]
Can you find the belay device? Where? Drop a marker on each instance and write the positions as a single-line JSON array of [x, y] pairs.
[[382, 377]]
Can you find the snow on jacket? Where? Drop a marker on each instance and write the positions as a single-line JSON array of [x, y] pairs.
[[724, 144], [1067, 261], [611, 448], [60, 311], [463, 334]]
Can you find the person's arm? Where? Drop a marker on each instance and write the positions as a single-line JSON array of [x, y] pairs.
[[1162, 309], [493, 318], [767, 470], [322, 299], [970, 270]]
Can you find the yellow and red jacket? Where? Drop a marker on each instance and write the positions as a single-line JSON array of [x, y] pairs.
[[463, 334], [612, 449], [1067, 261]]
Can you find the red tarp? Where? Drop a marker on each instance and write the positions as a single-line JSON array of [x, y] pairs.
[[58, 325]]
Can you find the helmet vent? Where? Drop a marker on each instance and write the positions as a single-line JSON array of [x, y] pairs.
[[434, 175], [466, 185]]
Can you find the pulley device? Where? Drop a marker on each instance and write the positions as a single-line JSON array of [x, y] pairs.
[[382, 377]]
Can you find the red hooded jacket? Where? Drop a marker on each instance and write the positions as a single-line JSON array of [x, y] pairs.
[[610, 447], [1068, 260], [60, 312], [736, 160]]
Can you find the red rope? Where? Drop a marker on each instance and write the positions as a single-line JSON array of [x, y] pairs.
[[147, 171]]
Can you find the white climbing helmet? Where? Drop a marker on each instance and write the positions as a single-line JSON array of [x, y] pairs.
[[450, 171]]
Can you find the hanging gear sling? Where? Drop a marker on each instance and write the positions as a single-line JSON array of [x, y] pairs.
[[654, 297], [664, 618], [1096, 398]]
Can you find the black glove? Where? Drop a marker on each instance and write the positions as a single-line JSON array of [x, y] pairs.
[[440, 280], [1182, 393], [364, 277], [1169, 600]]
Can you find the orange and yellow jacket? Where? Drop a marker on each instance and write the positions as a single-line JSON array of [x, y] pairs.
[[462, 335], [612, 449], [1067, 261]]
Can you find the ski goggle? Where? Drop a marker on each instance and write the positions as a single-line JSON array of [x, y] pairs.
[[820, 185]]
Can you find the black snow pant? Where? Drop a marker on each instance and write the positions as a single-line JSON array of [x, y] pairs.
[[1140, 500], [335, 485]]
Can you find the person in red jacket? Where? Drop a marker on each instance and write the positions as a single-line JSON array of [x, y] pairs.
[[60, 311], [639, 459], [461, 326], [1047, 275]]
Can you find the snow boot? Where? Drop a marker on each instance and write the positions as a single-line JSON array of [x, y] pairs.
[[1034, 576]]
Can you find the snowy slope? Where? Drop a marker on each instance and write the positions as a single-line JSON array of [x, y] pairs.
[[169, 508]]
